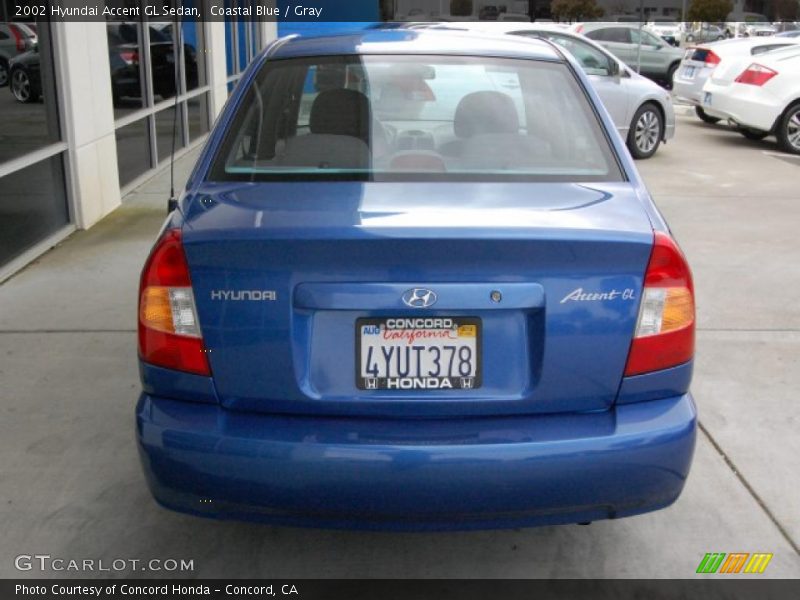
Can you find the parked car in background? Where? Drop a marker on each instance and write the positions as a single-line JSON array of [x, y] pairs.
[[460, 310], [637, 47], [25, 76], [700, 61], [667, 29], [705, 33], [489, 12], [508, 17], [15, 39], [760, 95], [761, 29], [641, 110]]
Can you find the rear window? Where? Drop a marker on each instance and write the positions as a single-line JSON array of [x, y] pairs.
[[407, 118]]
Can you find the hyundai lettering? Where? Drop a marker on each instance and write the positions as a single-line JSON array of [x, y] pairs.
[[415, 282]]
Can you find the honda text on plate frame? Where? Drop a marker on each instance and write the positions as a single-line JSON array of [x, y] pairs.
[[415, 282]]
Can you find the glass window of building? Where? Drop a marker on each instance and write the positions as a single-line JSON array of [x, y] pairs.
[[159, 77], [33, 199]]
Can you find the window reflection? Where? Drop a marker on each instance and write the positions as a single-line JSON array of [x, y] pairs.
[[198, 116], [133, 150], [28, 114], [125, 56], [166, 125], [33, 205]]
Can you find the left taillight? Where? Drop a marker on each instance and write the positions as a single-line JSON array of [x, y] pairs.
[[664, 335], [169, 332], [19, 39], [756, 74]]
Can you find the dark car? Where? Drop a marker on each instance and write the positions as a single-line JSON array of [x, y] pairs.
[[15, 39], [123, 49], [23, 75]]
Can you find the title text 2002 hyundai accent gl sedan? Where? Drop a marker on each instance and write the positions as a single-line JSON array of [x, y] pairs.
[[415, 281]]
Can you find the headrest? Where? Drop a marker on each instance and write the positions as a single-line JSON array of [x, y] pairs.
[[485, 113], [341, 112]]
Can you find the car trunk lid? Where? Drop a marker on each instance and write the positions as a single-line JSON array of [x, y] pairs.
[[282, 274]]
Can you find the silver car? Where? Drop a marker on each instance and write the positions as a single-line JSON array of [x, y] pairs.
[[699, 62], [641, 110], [633, 45]]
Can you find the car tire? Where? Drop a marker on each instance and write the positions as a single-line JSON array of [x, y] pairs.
[[646, 131], [788, 131], [753, 134], [3, 72], [689, 38], [671, 75], [22, 87], [705, 117]]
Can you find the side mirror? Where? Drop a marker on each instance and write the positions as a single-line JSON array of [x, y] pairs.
[[613, 68]]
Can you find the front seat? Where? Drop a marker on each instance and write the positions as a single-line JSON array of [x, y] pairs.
[[339, 138], [488, 128]]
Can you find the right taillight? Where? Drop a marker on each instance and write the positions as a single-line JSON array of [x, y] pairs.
[[712, 59], [169, 333], [756, 74], [664, 335]]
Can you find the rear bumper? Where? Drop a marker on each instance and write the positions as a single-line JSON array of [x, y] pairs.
[[416, 474], [746, 105]]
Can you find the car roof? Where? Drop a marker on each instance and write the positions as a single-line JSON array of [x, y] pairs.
[[416, 41]]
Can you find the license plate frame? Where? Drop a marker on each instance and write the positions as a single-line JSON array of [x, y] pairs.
[[419, 364]]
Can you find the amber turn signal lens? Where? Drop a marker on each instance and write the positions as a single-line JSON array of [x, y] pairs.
[[155, 311], [678, 309]]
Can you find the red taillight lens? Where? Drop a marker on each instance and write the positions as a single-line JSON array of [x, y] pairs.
[[712, 59], [579, 29], [169, 333], [756, 74], [19, 39], [131, 57], [664, 334]]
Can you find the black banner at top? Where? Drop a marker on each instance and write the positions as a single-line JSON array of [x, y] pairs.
[[715, 11]]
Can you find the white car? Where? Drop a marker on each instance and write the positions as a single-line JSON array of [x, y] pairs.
[[670, 31], [760, 95], [641, 109], [761, 29], [700, 61]]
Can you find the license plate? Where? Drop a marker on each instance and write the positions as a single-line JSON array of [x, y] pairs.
[[418, 353], [707, 99], [688, 72]]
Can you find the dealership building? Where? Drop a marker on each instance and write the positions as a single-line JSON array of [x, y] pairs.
[[100, 120]]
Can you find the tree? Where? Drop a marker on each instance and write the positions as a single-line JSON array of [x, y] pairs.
[[461, 8], [709, 11], [575, 10], [787, 10]]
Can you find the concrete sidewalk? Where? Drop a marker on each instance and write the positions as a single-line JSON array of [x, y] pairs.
[[73, 488]]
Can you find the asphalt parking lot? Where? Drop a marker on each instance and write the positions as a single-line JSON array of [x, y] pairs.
[[72, 486]]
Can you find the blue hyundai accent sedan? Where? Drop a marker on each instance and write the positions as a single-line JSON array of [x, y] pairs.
[[415, 282]]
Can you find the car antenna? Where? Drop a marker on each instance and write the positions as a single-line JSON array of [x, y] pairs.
[[172, 203]]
